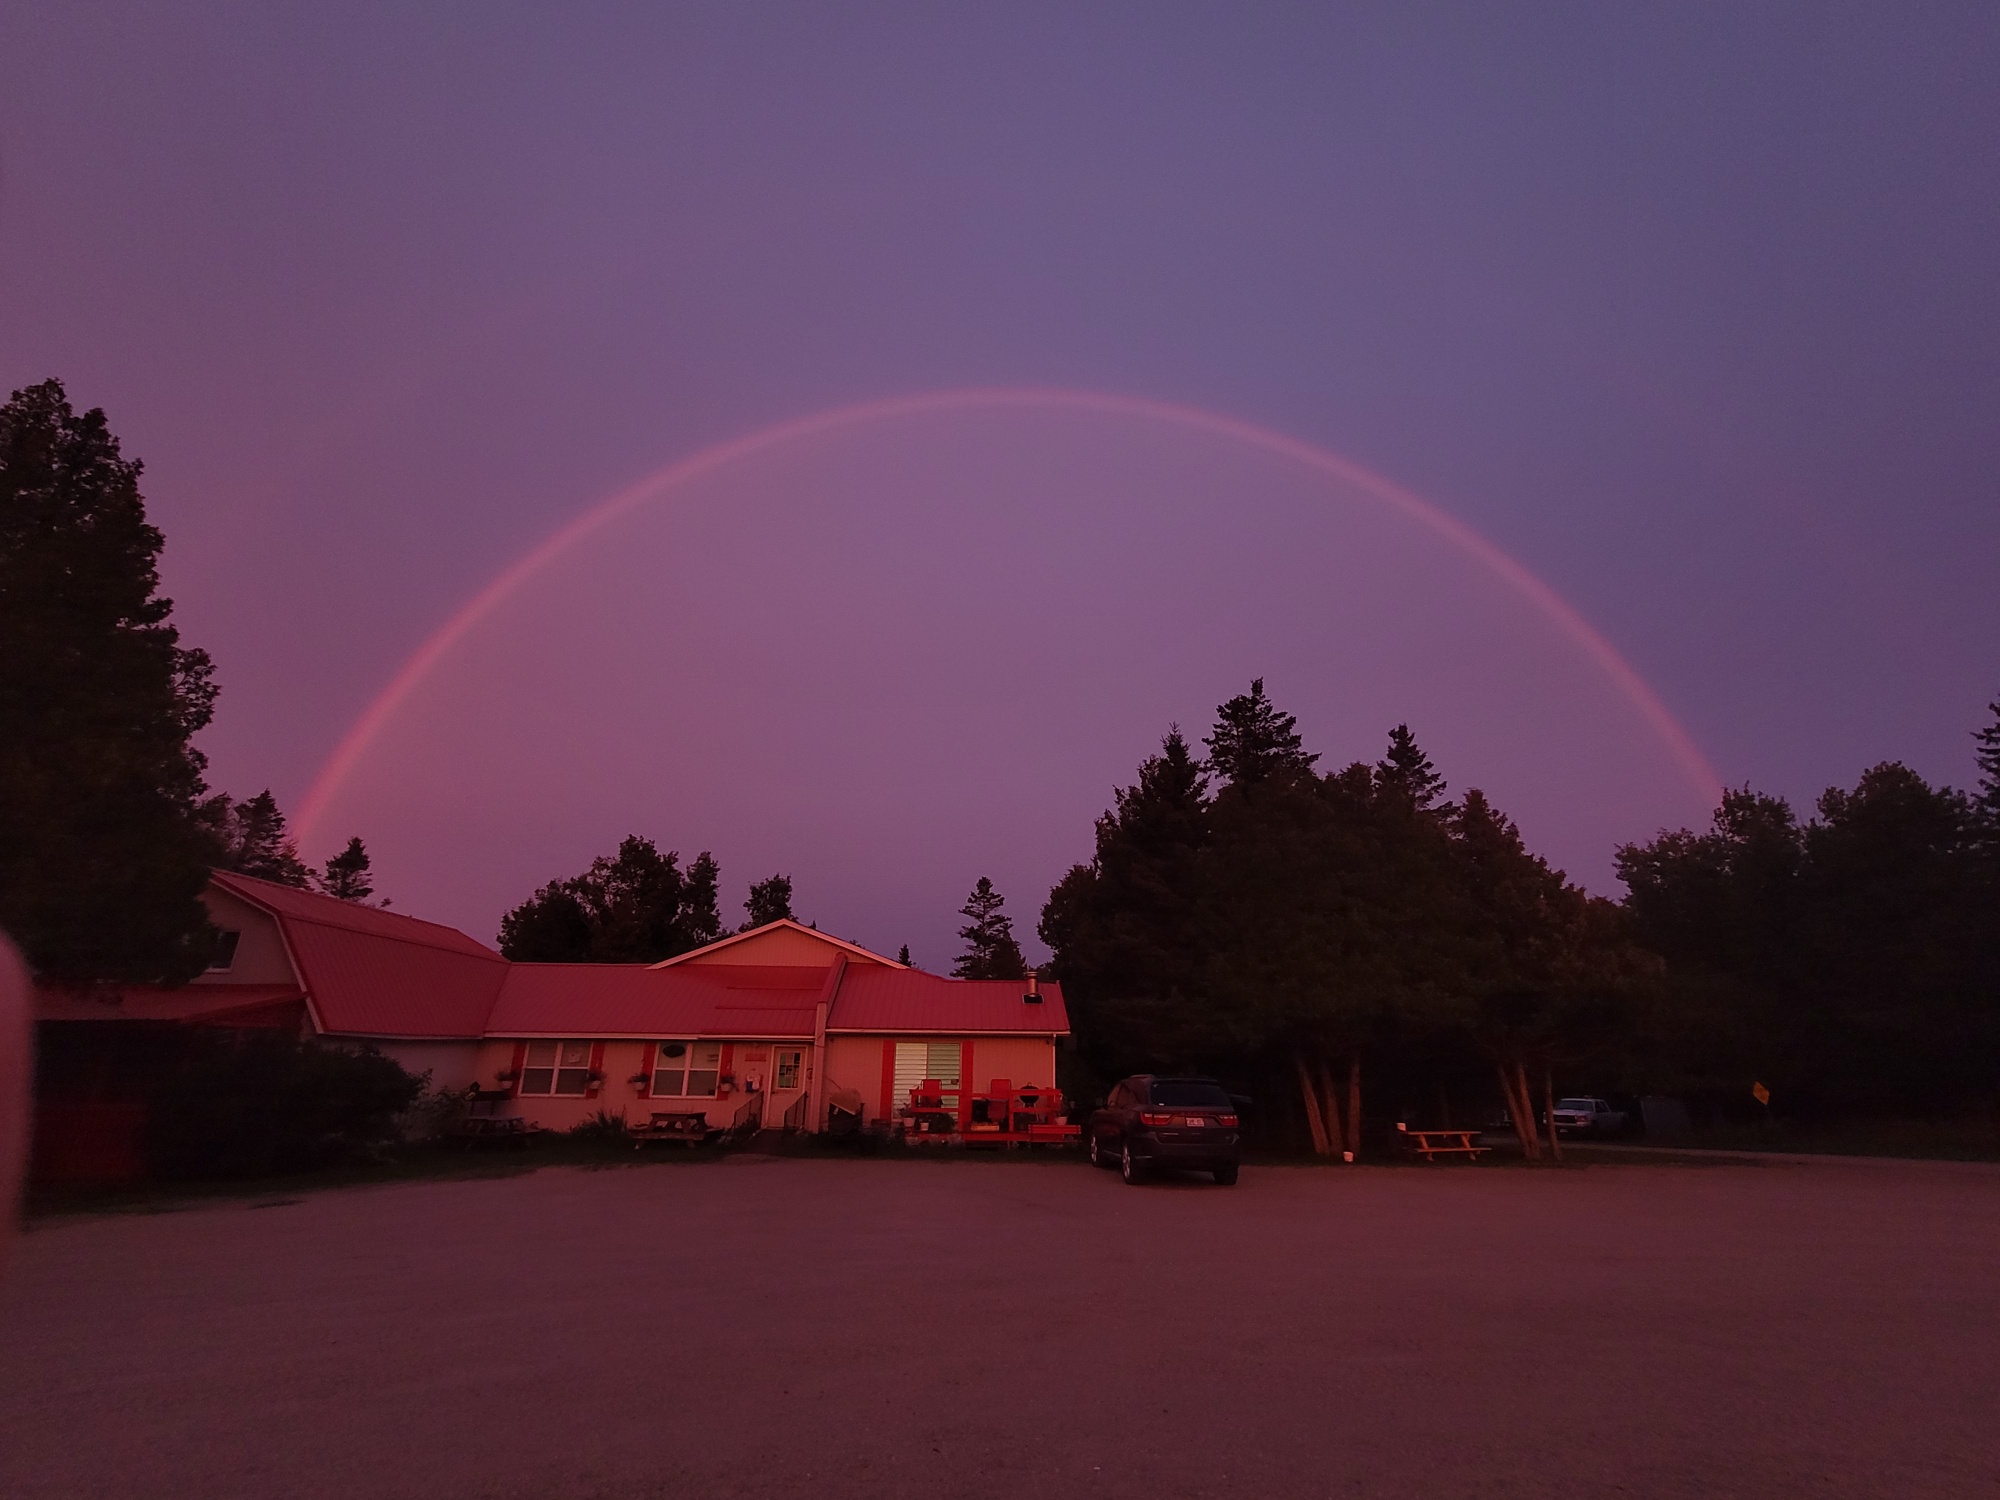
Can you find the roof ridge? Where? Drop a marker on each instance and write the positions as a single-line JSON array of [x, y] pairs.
[[336, 903]]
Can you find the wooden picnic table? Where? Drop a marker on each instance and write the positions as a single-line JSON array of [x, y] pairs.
[[1431, 1144], [493, 1130], [688, 1126]]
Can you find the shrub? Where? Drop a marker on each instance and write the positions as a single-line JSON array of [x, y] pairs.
[[248, 1104]]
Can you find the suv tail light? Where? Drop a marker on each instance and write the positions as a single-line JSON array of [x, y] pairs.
[[1225, 1119], [1154, 1117]]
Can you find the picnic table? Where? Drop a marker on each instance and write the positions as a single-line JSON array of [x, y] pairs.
[[687, 1126], [1431, 1144], [493, 1130]]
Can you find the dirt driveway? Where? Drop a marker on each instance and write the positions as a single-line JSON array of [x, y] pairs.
[[830, 1328]]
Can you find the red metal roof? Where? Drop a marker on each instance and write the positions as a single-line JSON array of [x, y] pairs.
[[635, 1000], [370, 972], [912, 1001], [215, 1004]]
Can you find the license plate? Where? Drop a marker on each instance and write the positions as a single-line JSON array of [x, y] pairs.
[[1195, 1122]]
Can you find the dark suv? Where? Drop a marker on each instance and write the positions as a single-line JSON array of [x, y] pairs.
[[1149, 1122]]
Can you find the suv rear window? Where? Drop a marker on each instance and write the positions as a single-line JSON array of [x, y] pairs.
[[1188, 1093]]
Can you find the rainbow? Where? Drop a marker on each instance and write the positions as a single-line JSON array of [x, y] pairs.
[[354, 744]]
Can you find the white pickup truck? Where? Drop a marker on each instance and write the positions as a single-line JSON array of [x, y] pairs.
[[1588, 1117]]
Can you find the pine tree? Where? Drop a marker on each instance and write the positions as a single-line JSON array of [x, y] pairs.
[[346, 874], [255, 840], [102, 856], [1988, 756], [1408, 770], [1254, 742], [770, 901], [990, 949], [903, 955]]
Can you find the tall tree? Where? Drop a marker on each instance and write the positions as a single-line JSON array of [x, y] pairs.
[[1848, 963], [550, 927], [635, 906], [102, 857], [903, 955], [1407, 769], [1987, 738], [1123, 928], [346, 873], [1253, 741], [253, 839], [770, 901], [990, 949]]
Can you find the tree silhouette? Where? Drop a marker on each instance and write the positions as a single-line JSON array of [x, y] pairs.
[[770, 901], [346, 874], [1254, 742], [102, 855], [990, 949]]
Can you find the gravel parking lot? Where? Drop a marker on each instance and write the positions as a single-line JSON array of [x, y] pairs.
[[832, 1328]]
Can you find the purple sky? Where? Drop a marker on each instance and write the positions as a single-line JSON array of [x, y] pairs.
[[1691, 310]]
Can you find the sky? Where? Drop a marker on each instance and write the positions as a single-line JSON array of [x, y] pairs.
[[1688, 310]]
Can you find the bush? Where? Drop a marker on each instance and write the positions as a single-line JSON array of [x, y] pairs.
[[247, 1104], [601, 1128]]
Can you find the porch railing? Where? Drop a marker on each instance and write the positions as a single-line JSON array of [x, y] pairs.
[[795, 1117], [749, 1118]]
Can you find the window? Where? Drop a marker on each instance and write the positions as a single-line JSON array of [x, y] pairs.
[[687, 1069], [1188, 1093], [225, 951], [791, 1067], [556, 1068], [916, 1062]]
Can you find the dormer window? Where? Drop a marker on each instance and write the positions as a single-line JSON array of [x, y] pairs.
[[225, 951]]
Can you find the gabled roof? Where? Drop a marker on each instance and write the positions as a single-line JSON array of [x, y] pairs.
[[696, 956], [369, 972], [911, 1000], [635, 1000], [213, 1005], [366, 972]]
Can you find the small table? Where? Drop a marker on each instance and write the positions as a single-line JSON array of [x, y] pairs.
[[1431, 1144], [689, 1127]]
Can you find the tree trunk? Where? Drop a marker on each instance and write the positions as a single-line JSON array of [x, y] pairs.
[[1321, 1147], [1527, 1096], [1336, 1127], [1354, 1106], [1530, 1147], [1549, 1107]]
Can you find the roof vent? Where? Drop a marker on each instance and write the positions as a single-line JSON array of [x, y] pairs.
[[1034, 995]]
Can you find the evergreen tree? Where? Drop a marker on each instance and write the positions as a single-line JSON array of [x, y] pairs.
[[346, 874], [253, 839], [1988, 757], [1123, 928], [1408, 770], [635, 906], [990, 949], [1254, 742], [903, 955], [102, 856], [770, 901]]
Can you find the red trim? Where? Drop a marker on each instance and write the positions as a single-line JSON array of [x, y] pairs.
[[965, 1084], [520, 1062], [646, 1067], [888, 1080], [592, 1090], [725, 1067]]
